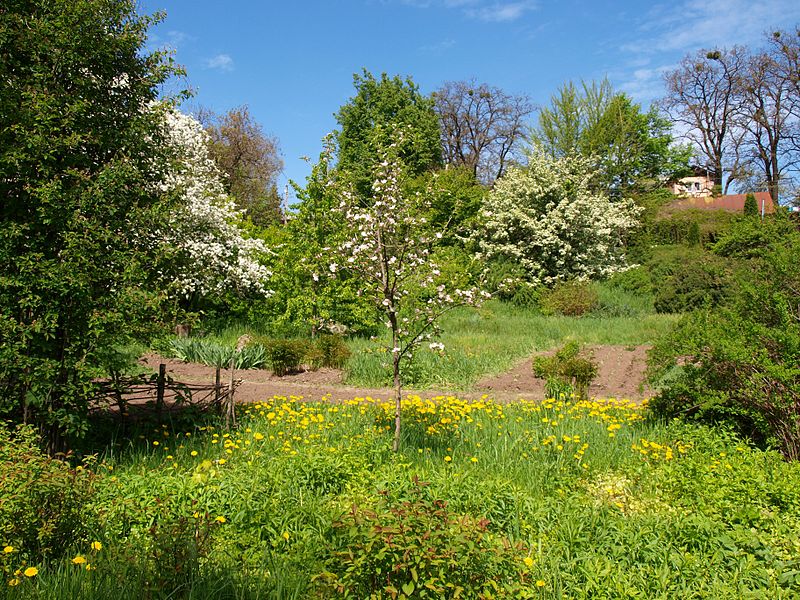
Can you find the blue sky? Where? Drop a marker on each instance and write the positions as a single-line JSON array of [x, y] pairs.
[[292, 62]]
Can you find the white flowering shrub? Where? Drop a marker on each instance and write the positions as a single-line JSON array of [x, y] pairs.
[[546, 218], [210, 253]]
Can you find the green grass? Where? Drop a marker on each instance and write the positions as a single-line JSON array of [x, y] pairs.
[[562, 501], [491, 339]]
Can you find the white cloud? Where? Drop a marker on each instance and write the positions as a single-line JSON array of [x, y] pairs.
[[438, 48], [221, 62], [499, 12], [493, 11], [693, 24]]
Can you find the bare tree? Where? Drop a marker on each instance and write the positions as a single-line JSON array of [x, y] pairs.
[[702, 99], [766, 108], [249, 160], [482, 127]]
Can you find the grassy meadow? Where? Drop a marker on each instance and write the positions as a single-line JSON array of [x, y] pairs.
[[560, 499]]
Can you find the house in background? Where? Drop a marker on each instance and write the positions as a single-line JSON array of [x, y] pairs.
[[697, 191], [700, 184]]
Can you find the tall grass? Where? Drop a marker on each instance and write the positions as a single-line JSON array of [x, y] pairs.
[[590, 499]]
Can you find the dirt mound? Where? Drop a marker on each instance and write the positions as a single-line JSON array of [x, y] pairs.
[[620, 375]]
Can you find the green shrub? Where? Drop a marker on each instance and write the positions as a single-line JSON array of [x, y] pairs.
[[286, 356], [748, 238], [331, 351], [571, 299], [568, 370], [42, 499], [415, 547], [750, 206], [635, 281], [686, 279], [741, 364]]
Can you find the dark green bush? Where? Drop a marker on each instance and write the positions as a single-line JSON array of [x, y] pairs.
[[635, 281], [748, 238], [416, 547], [332, 351], [286, 356], [571, 298], [42, 499], [568, 370], [687, 279], [740, 364]]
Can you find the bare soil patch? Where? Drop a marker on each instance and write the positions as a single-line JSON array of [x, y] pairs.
[[620, 375]]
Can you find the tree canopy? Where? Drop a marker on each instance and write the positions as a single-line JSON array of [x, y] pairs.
[[81, 163], [366, 123]]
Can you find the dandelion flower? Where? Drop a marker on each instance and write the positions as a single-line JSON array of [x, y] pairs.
[[221, 519], [194, 453], [286, 535], [97, 546], [78, 560], [540, 583], [31, 572], [528, 561], [448, 458], [8, 549], [13, 581]]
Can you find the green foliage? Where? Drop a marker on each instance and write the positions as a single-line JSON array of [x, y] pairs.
[[750, 206], [747, 238], [333, 351], [739, 364], [307, 297], [635, 281], [213, 354], [685, 226], [379, 108], [41, 498], [569, 370], [286, 356], [414, 546], [633, 149], [687, 278], [80, 164], [571, 299]]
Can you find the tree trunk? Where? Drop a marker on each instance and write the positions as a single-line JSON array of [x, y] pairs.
[[397, 401]]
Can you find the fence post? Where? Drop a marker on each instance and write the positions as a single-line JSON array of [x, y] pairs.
[[161, 382], [230, 413]]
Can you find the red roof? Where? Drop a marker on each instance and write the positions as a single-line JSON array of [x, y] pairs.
[[730, 203]]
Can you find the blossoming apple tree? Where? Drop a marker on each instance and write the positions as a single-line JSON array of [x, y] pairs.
[[388, 244]]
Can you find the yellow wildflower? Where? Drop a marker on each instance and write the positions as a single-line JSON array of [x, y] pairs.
[[31, 572]]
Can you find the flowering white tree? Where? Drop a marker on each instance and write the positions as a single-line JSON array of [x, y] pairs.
[[546, 218], [209, 251], [388, 244]]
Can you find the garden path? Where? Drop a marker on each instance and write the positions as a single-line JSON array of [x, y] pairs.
[[620, 374]]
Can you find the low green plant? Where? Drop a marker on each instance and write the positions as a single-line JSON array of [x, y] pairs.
[[686, 279], [41, 498], [286, 356], [332, 351], [571, 299], [414, 546], [207, 352], [569, 370]]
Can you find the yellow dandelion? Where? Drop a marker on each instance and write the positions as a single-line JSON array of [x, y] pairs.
[[540, 583], [194, 452], [97, 546], [448, 458], [8, 549], [221, 519], [285, 535], [78, 560], [473, 459], [13, 581], [31, 572], [528, 561]]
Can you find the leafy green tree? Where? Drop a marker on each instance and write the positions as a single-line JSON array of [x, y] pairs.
[[81, 163], [633, 150], [750, 206], [367, 121]]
